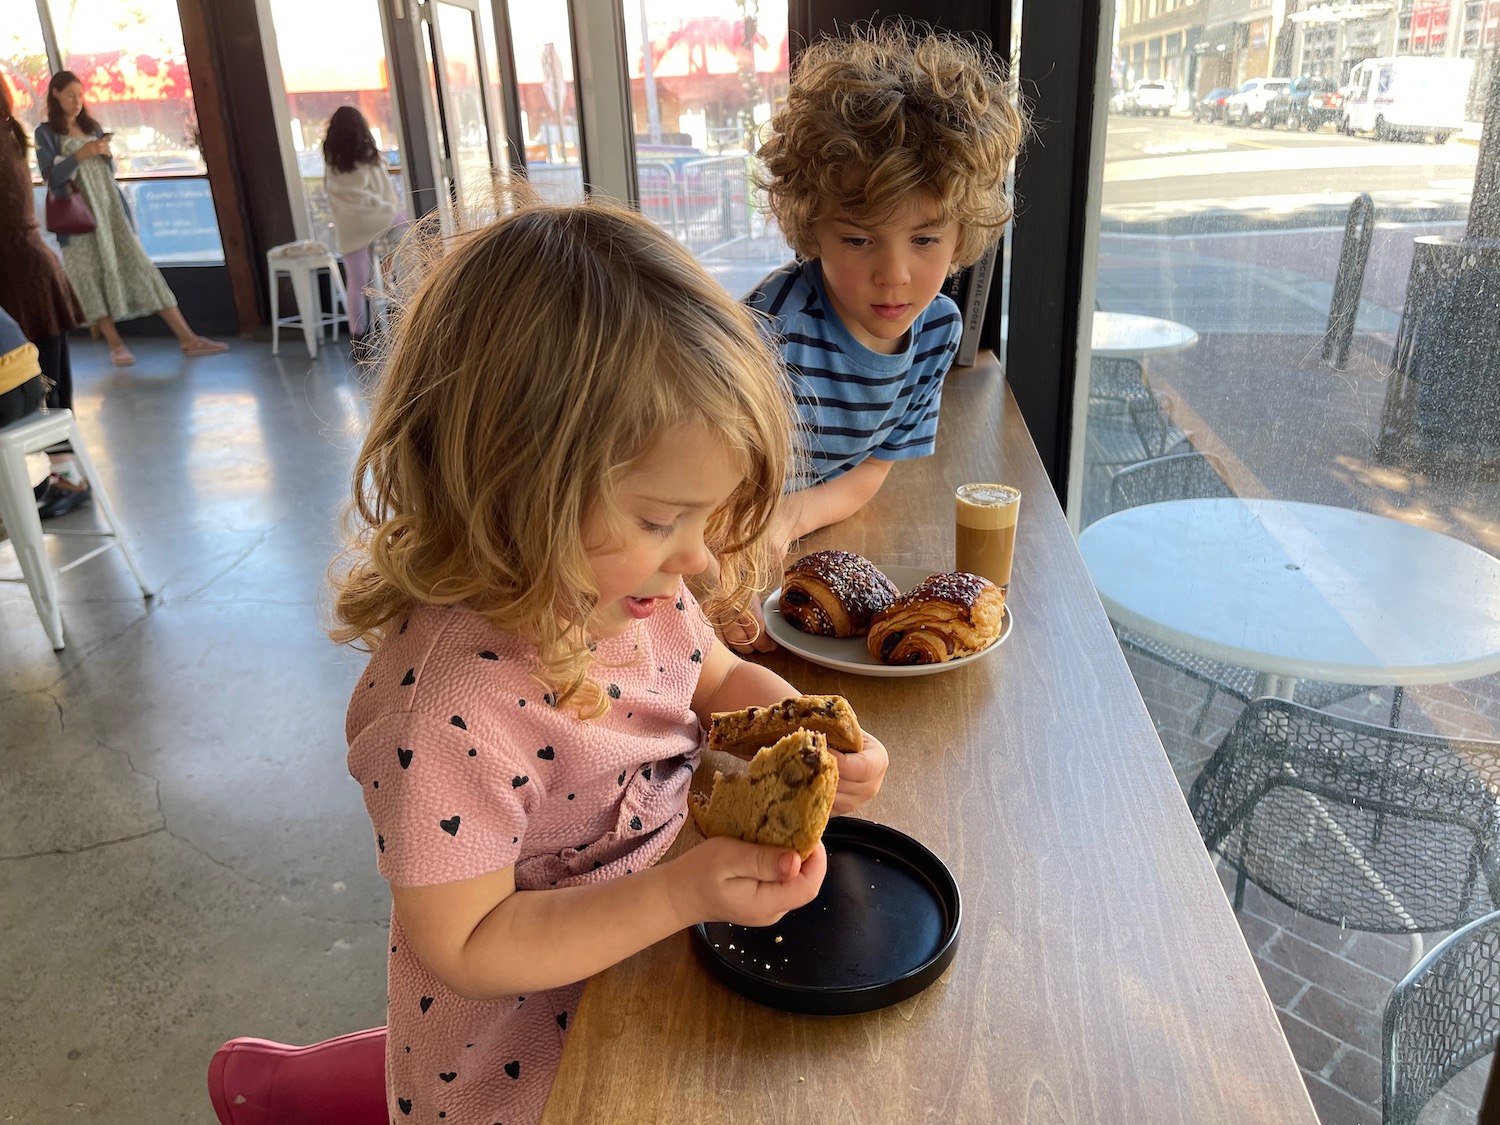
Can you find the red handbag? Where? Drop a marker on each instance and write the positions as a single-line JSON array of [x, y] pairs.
[[69, 214]]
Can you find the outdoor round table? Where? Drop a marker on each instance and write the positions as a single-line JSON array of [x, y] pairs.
[[1128, 335], [1300, 591]]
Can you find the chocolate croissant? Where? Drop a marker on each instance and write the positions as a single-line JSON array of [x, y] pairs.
[[834, 594], [945, 617]]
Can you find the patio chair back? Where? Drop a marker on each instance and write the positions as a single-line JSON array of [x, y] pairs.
[[1361, 826], [1178, 476], [1443, 1016]]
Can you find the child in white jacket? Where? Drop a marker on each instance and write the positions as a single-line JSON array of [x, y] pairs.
[[363, 200]]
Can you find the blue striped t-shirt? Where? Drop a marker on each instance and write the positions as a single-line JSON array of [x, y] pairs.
[[854, 402]]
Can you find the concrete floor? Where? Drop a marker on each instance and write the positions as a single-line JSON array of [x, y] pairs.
[[183, 856]]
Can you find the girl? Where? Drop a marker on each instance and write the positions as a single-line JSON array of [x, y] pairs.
[[573, 419], [362, 198], [109, 267]]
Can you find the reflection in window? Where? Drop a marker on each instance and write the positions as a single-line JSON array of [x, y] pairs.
[[318, 81], [711, 76], [541, 36]]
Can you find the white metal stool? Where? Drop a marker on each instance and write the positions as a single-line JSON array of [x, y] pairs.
[[301, 262], [24, 526]]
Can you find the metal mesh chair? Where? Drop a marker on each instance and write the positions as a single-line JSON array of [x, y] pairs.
[[1358, 825], [1183, 476], [1443, 1016]]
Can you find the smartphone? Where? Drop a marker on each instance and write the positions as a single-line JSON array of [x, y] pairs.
[[107, 136]]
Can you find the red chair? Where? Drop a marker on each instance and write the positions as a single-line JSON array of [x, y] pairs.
[[336, 1082]]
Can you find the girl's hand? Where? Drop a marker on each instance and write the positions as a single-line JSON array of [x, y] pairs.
[[89, 149], [725, 880], [748, 633], [860, 774]]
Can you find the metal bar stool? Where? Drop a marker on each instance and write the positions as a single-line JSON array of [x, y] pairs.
[[18, 511], [301, 262]]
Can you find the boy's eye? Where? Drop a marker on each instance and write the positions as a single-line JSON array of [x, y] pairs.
[[927, 240], [856, 241]]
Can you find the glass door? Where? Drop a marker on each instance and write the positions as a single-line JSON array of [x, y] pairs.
[[466, 127]]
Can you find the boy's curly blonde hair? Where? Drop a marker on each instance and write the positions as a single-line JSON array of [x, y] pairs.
[[537, 360], [871, 119]]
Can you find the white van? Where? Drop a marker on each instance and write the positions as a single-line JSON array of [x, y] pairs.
[[1414, 98]]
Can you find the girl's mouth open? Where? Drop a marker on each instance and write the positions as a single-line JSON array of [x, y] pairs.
[[640, 608]]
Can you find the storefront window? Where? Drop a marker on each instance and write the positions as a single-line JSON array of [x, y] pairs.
[[712, 76], [542, 38], [130, 60], [23, 61], [318, 81], [1290, 413]]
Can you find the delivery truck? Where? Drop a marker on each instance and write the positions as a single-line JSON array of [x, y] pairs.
[[1405, 98]]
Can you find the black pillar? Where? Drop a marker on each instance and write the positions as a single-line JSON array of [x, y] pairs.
[[1484, 208]]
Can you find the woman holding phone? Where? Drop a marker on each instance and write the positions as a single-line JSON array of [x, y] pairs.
[[108, 267]]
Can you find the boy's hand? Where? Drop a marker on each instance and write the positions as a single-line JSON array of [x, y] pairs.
[[748, 633], [860, 774], [726, 880]]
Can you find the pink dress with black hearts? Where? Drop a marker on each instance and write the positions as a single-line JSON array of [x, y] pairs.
[[466, 769]]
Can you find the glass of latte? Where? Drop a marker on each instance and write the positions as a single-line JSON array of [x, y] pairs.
[[985, 530]]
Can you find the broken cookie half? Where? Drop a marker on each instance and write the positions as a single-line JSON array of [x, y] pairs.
[[782, 801]]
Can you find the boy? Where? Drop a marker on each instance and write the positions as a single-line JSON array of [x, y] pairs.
[[886, 172]]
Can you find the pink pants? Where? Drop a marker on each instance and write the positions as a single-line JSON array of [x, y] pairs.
[[357, 277]]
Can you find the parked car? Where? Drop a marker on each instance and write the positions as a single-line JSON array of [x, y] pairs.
[[1151, 95], [1248, 103], [1210, 107], [1407, 97], [1307, 103]]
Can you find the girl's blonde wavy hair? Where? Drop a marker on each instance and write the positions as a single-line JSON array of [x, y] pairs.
[[869, 120], [537, 359]]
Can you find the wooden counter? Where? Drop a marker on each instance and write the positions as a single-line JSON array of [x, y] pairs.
[[1100, 975]]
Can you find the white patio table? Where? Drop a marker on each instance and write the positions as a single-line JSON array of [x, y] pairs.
[[1130, 336], [1300, 591]]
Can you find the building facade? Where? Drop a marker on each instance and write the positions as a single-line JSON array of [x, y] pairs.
[[1159, 39]]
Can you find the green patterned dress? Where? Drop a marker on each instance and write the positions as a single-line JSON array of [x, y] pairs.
[[109, 268]]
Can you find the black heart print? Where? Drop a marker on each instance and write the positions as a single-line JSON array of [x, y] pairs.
[[450, 1076], [404, 756], [546, 753], [426, 1003], [450, 826], [697, 657], [621, 779], [458, 721], [635, 823], [410, 677], [614, 691], [517, 782], [379, 839], [562, 1020], [680, 605], [550, 699], [513, 1068], [487, 655], [646, 773], [405, 1104]]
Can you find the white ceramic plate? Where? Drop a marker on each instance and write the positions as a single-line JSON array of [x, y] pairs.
[[849, 654]]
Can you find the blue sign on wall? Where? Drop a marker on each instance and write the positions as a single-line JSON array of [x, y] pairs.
[[176, 220]]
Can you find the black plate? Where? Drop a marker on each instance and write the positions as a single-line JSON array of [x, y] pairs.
[[883, 927]]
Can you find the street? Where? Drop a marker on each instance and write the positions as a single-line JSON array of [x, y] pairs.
[[1158, 171]]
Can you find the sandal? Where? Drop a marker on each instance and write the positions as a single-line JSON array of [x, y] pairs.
[[202, 345], [121, 356]]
